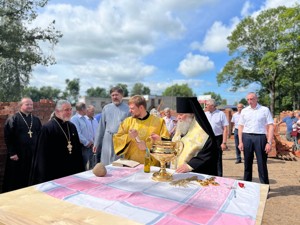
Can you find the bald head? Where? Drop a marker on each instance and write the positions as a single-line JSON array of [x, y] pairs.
[[26, 105]]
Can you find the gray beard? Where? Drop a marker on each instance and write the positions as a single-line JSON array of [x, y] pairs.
[[184, 126]]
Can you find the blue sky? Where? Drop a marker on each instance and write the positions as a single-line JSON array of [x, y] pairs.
[[156, 42]]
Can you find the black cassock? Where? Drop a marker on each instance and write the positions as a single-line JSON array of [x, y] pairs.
[[52, 158], [18, 142]]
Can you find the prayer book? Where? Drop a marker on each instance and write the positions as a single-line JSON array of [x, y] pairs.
[[125, 162]]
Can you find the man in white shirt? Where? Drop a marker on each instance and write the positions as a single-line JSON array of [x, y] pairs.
[[235, 123], [256, 129], [170, 121], [219, 124]]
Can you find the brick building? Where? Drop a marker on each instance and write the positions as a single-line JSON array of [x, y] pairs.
[[42, 109]]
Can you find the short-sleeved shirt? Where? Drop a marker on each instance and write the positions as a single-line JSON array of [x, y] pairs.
[[289, 122], [217, 120], [235, 119], [255, 120]]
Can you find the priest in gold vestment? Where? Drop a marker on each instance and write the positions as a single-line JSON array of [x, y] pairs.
[[199, 153], [137, 132]]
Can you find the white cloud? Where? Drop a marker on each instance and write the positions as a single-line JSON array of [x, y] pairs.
[[268, 4], [94, 74], [194, 65], [108, 43], [215, 39], [275, 3], [158, 87], [246, 9]]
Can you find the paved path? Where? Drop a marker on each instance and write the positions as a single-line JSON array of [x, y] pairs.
[[283, 203]]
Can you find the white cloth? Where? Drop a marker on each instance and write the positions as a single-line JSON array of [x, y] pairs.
[[217, 120], [255, 120], [235, 119]]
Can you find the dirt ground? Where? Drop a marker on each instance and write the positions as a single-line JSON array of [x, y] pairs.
[[283, 203]]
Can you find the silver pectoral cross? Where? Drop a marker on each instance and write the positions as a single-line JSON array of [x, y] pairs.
[[30, 133]]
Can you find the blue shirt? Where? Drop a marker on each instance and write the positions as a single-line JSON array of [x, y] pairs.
[[289, 122], [83, 130], [93, 126], [98, 117]]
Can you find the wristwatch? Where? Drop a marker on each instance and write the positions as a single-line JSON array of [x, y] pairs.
[[269, 142]]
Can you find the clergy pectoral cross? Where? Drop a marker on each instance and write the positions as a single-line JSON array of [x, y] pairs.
[[69, 146], [30, 133]]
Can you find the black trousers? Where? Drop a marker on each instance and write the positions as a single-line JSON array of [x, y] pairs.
[[219, 140], [255, 143]]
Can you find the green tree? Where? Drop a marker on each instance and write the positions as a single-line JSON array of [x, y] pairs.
[[20, 47], [125, 89], [123, 86], [243, 101], [289, 85], [140, 89], [33, 93], [257, 46], [97, 92], [71, 92], [182, 90], [45, 92], [216, 97]]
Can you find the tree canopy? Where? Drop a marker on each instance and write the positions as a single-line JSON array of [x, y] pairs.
[[264, 48], [45, 92], [124, 87], [178, 90], [71, 92], [20, 45], [97, 92], [216, 97], [140, 89]]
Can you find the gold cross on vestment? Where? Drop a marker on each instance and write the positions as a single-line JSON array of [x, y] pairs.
[[69, 146], [30, 133]]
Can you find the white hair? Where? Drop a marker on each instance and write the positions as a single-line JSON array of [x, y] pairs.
[[211, 102]]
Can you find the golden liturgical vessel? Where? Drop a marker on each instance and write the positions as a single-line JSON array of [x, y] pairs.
[[165, 151]]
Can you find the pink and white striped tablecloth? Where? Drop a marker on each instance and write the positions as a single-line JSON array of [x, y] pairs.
[[131, 193]]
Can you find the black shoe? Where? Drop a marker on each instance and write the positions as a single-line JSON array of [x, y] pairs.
[[237, 162]]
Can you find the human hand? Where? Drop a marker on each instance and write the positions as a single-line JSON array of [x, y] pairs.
[[268, 148], [14, 157], [94, 149], [184, 168], [90, 145], [241, 146], [223, 146], [141, 145], [155, 137], [133, 133]]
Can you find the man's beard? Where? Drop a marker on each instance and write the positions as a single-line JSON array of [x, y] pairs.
[[184, 126], [117, 102]]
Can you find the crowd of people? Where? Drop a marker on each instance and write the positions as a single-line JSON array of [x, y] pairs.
[[292, 121], [68, 144]]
